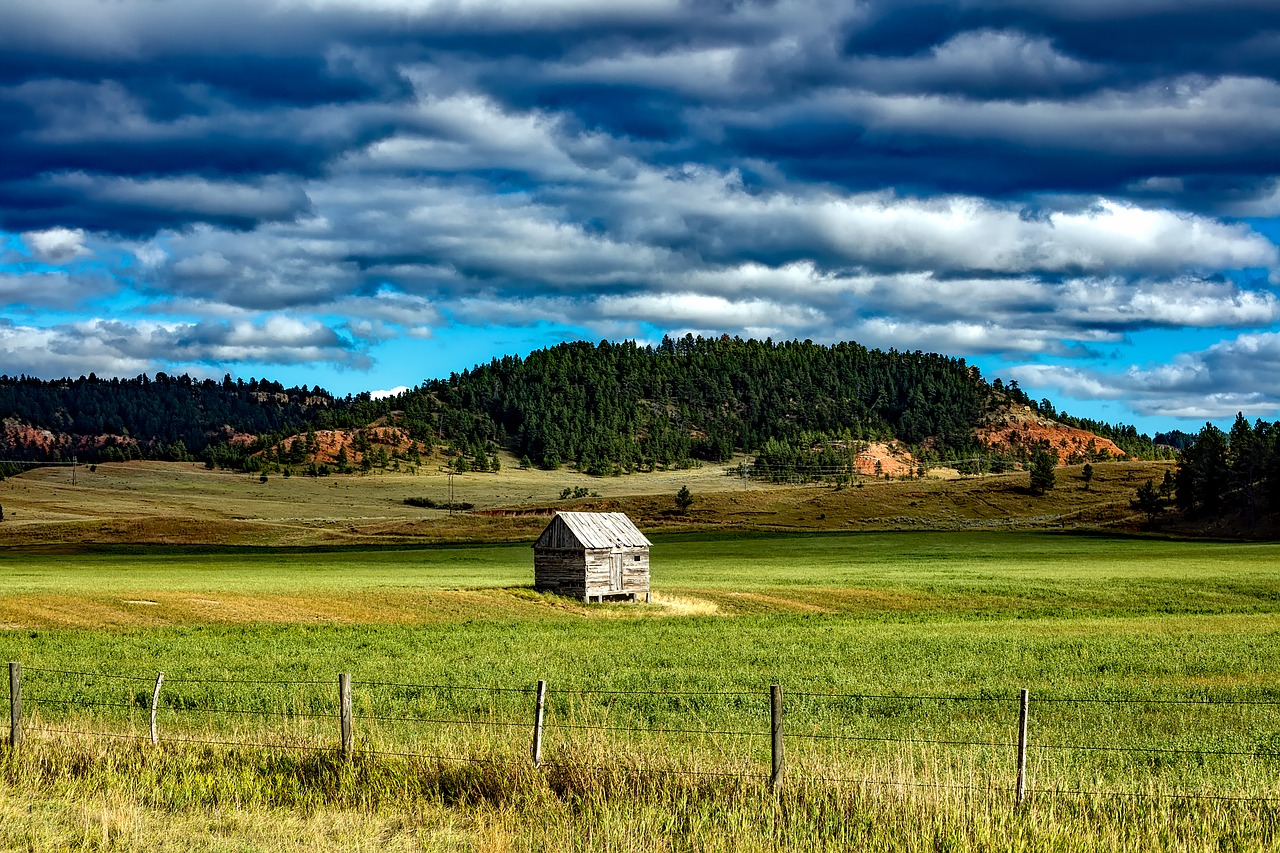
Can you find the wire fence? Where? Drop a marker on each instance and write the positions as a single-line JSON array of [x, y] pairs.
[[1195, 748]]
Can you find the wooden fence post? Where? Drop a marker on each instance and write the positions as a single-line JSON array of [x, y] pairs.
[[155, 704], [538, 709], [775, 720], [15, 704], [344, 711], [1024, 700]]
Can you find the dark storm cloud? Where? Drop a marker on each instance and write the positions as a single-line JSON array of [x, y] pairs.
[[970, 97], [1139, 37]]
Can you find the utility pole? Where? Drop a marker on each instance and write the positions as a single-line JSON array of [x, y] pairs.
[[73, 469]]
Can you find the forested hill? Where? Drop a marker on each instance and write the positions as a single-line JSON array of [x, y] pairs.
[[702, 398], [165, 417], [606, 407], [623, 406]]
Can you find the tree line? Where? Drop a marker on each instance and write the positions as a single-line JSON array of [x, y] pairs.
[[1222, 474], [608, 408], [162, 417], [616, 407]]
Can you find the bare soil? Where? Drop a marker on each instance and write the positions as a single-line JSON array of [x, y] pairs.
[[1026, 429]]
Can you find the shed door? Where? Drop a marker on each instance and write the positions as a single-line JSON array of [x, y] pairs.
[[615, 571]]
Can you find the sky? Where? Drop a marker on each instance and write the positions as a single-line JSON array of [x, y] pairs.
[[1079, 195]]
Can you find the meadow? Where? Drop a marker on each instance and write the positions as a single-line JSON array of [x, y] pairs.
[[1153, 668], [176, 504]]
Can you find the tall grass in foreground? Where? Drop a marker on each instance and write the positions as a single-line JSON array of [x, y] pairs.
[[1202, 743], [127, 796]]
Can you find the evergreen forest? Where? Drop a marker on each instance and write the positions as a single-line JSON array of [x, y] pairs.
[[608, 408], [1234, 473]]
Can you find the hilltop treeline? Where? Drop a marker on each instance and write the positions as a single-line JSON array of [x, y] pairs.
[[161, 417], [607, 407], [1222, 474], [626, 406]]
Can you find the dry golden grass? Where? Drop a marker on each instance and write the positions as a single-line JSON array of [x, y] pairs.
[[191, 798], [181, 503], [385, 607]]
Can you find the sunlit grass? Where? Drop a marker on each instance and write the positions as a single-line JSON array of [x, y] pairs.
[[900, 658]]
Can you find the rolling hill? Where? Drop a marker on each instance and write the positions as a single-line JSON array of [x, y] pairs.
[[607, 408]]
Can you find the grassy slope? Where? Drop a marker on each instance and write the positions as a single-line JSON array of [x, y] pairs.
[[181, 503]]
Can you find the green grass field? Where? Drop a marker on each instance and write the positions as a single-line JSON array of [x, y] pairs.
[[900, 656]]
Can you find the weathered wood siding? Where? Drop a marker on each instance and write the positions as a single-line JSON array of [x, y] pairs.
[[560, 570], [590, 572], [560, 537]]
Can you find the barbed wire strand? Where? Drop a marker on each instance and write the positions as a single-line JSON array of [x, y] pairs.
[[568, 765], [105, 675], [1137, 701], [907, 697], [149, 679], [248, 712], [38, 701], [601, 691], [277, 681], [1154, 795], [1150, 749], [902, 783], [528, 690], [495, 723], [595, 692], [589, 727], [197, 741], [82, 733], [250, 744], [871, 738], [430, 757]]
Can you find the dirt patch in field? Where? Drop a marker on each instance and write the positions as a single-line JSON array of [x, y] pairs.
[[685, 606], [761, 602]]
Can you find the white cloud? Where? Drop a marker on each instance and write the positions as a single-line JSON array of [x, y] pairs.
[[991, 61], [126, 348], [1236, 375], [390, 392], [979, 275], [710, 71], [716, 214], [259, 199], [56, 245], [1216, 119], [58, 289]]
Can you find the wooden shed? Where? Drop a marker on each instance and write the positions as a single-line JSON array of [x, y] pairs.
[[592, 555]]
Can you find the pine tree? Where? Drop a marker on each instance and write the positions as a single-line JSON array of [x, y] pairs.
[[1042, 471], [684, 499], [1148, 500]]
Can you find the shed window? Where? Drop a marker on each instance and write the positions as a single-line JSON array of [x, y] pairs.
[[637, 558]]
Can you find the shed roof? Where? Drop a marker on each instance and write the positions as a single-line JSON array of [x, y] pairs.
[[597, 530]]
